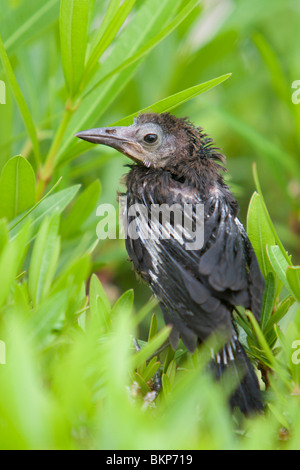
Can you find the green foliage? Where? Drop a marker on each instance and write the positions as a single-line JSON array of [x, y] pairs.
[[85, 366]]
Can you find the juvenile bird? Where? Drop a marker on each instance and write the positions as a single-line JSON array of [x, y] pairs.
[[198, 286]]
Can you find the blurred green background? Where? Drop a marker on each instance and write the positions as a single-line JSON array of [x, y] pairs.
[[77, 64]]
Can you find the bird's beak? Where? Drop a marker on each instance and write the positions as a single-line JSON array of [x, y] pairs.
[[122, 139]]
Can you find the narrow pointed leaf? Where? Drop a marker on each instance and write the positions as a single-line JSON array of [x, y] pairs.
[[74, 18], [17, 187], [268, 300], [22, 105], [259, 232], [293, 278], [44, 254]]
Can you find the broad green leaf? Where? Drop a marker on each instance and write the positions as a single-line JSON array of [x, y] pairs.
[[97, 291], [74, 19], [55, 203], [44, 259], [124, 305], [279, 265], [17, 187], [293, 278], [268, 300], [259, 232], [82, 208], [102, 315], [99, 307], [22, 105]]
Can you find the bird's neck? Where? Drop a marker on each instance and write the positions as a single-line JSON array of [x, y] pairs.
[[186, 175]]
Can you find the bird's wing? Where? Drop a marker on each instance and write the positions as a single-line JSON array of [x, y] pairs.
[[223, 273]]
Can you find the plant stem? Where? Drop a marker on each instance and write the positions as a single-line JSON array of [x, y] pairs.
[[50, 160], [45, 173]]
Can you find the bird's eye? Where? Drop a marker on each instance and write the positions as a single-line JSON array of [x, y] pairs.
[[150, 138]]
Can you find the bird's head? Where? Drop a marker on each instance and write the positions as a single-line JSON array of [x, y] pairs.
[[154, 140]]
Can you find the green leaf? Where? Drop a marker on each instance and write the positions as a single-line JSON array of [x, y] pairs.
[[180, 17], [99, 306], [171, 371], [44, 259], [262, 341], [28, 21], [11, 259], [293, 279], [114, 18], [123, 305], [169, 357], [3, 234], [22, 105], [279, 265], [151, 369], [268, 300], [73, 276], [45, 317], [153, 327], [259, 232], [74, 19], [82, 208], [277, 239], [281, 311], [96, 290], [171, 102], [17, 187], [55, 203], [142, 383], [166, 385], [150, 348]]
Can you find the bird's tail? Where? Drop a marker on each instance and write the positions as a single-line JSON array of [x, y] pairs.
[[233, 358]]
